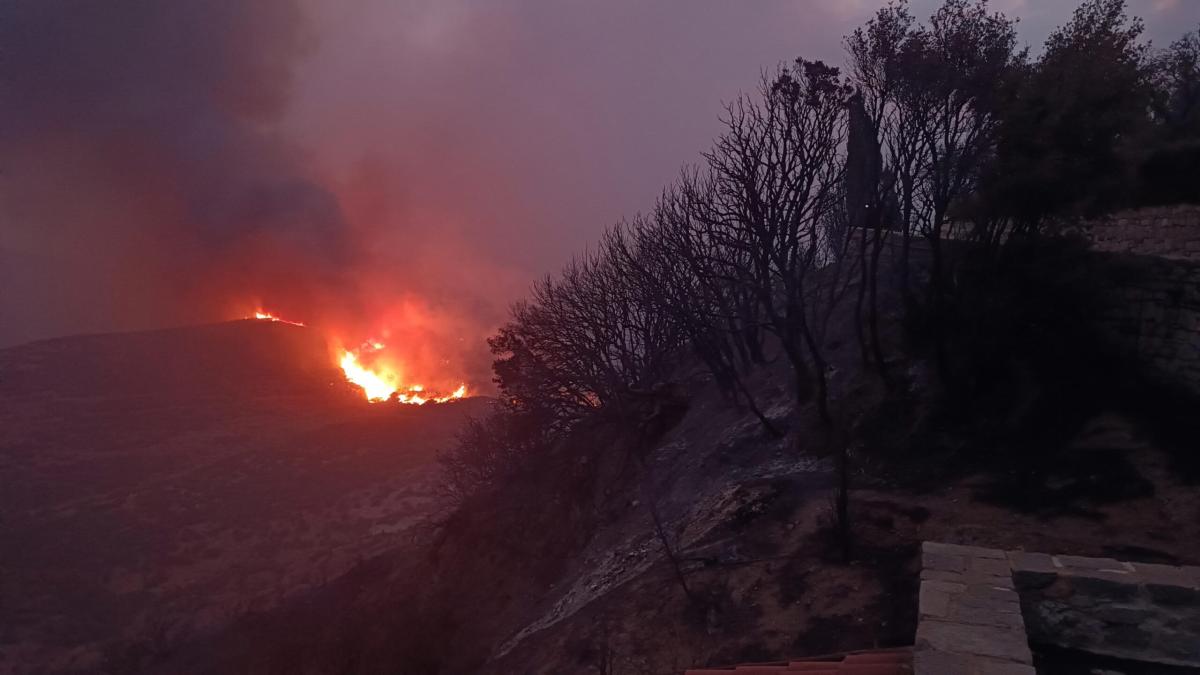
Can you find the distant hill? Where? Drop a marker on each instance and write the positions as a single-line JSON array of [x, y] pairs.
[[158, 483]]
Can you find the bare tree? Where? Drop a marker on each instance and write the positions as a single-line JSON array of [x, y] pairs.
[[946, 91], [774, 174], [583, 340], [676, 269]]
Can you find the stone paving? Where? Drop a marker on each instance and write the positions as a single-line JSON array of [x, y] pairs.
[[969, 620]]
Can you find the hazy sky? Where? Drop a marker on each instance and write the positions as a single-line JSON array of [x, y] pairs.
[[168, 162], [554, 118]]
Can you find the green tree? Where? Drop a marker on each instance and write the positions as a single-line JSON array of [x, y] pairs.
[[1176, 78], [1073, 118]]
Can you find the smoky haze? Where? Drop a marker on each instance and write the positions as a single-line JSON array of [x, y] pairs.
[[142, 169], [169, 163]]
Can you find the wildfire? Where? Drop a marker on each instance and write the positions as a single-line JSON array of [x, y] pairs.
[[262, 315], [373, 370], [381, 382]]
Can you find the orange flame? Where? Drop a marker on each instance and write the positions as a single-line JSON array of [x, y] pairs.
[[263, 315], [381, 382], [367, 367]]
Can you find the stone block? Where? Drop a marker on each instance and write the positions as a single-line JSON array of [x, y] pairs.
[[967, 577], [932, 662], [1011, 604], [961, 550], [986, 616], [997, 567], [992, 594], [1173, 596], [1034, 562], [1168, 575], [1127, 637], [989, 667], [968, 639], [943, 562], [1032, 571], [943, 575], [1105, 585], [1134, 615], [1031, 580], [948, 587], [1061, 624], [1189, 622], [1178, 646], [933, 602]]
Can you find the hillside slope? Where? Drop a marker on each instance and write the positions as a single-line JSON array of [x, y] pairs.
[[154, 485], [544, 580]]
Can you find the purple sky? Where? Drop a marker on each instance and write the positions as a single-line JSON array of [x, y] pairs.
[[567, 114], [450, 149]]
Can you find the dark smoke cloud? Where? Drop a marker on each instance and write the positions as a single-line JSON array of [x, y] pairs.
[[162, 160], [139, 152]]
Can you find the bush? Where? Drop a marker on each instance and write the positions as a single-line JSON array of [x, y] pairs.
[[489, 450]]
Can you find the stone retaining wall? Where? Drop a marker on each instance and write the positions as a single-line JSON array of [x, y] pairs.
[[1135, 611], [980, 608], [1167, 232], [1147, 263], [1151, 315]]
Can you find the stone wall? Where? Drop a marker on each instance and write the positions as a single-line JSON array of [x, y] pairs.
[[980, 609], [1171, 232], [1151, 269], [1151, 314], [1147, 264], [1141, 612]]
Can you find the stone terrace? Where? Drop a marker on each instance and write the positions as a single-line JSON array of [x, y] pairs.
[[969, 616], [981, 608]]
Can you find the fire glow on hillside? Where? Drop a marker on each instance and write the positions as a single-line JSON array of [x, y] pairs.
[[267, 316], [371, 368], [381, 380]]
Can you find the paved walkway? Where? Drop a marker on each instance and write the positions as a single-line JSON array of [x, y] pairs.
[[969, 614]]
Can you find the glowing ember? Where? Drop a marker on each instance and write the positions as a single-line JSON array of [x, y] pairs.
[[267, 316], [381, 382]]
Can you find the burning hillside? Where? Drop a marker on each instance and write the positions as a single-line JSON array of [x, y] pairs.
[[381, 379], [383, 372], [267, 316]]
